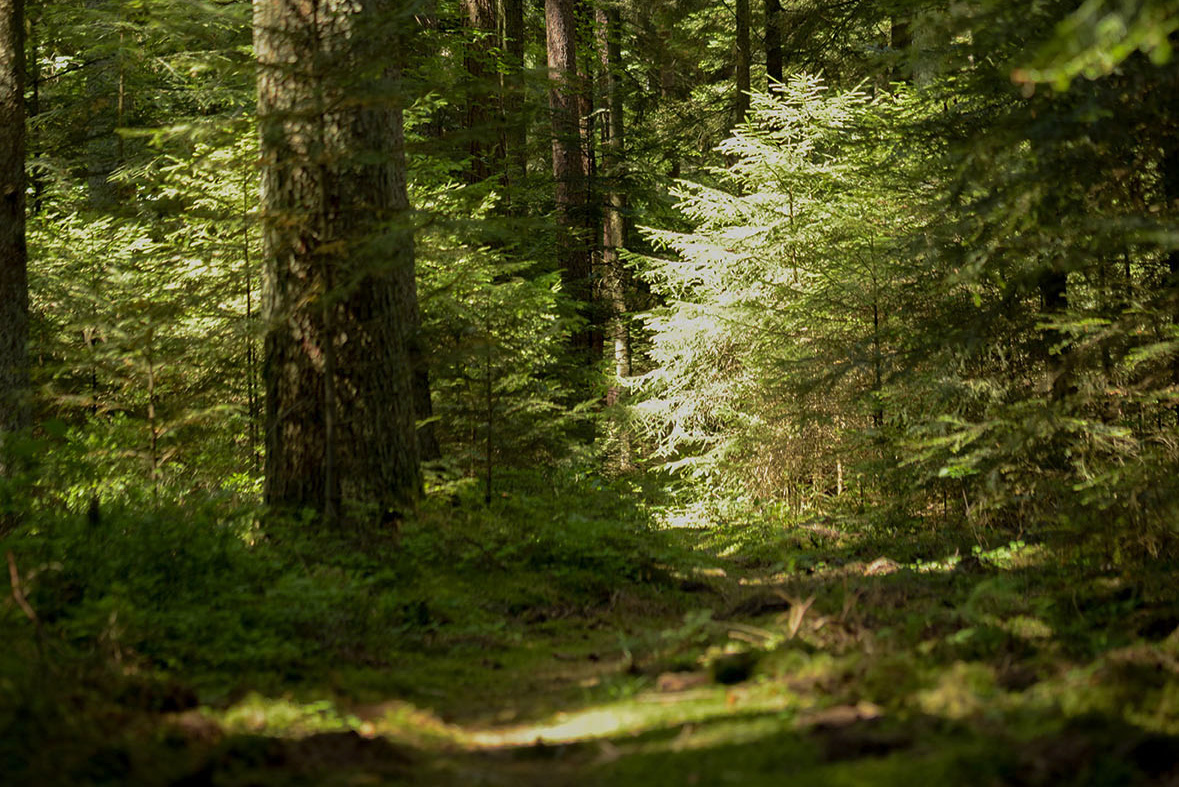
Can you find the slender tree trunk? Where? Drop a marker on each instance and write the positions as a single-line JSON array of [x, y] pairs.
[[14, 289], [773, 41], [744, 58], [106, 104], [1170, 178], [33, 107], [482, 23], [515, 122], [614, 274], [1054, 296], [900, 41], [340, 298], [614, 200], [568, 163]]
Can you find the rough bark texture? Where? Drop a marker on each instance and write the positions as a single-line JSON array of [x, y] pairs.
[[14, 289], [568, 164], [773, 41], [744, 56], [340, 298]]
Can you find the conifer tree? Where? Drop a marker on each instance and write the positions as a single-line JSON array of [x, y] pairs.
[[569, 172], [341, 300]]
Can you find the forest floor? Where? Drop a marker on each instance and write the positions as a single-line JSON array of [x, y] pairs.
[[770, 653]]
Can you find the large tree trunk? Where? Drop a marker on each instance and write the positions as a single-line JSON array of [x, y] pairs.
[[773, 41], [744, 57], [340, 293], [568, 164], [14, 289]]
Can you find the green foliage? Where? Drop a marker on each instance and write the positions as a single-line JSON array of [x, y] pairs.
[[496, 332], [1095, 38], [784, 306]]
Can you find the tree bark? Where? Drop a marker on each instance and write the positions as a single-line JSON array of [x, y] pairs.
[[1057, 354], [340, 297], [773, 42], [515, 122], [613, 171], [900, 41], [482, 23], [14, 288], [1169, 169], [568, 165], [614, 201], [744, 56]]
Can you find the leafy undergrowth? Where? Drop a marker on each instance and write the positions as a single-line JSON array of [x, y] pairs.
[[561, 636]]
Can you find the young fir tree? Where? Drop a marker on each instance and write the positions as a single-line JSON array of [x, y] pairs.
[[778, 340]]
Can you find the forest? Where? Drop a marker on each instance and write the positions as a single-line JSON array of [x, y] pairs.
[[744, 392]]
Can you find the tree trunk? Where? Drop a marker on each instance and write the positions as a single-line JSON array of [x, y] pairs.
[[481, 20], [614, 274], [106, 102], [568, 165], [773, 42], [14, 289], [1057, 355], [900, 41], [743, 60], [340, 297], [613, 174], [515, 122], [1169, 169]]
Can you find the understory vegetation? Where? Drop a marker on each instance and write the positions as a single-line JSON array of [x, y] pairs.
[[187, 646]]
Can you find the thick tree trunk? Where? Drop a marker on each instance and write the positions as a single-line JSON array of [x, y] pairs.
[[14, 289], [744, 56], [773, 41], [568, 165], [340, 295]]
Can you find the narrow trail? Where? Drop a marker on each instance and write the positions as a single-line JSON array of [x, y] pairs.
[[851, 669]]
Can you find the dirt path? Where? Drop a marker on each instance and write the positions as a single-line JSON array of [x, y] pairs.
[[841, 669]]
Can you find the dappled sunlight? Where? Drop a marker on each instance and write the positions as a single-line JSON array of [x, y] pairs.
[[403, 722], [646, 712]]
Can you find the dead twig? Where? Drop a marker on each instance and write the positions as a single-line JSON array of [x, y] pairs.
[[18, 595]]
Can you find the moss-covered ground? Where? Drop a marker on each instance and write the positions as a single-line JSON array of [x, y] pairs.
[[567, 635]]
